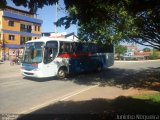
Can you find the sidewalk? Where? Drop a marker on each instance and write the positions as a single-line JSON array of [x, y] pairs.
[[136, 60], [96, 104], [7, 70], [106, 92]]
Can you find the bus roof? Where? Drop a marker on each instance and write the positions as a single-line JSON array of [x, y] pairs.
[[45, 39]]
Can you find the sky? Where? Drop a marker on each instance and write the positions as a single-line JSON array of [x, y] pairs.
[[47, 14]]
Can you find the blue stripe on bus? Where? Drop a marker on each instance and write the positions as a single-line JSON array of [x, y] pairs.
[[86, 64], [28, 67]]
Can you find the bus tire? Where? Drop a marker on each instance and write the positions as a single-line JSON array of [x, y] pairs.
[[62, 73], [99, 68]]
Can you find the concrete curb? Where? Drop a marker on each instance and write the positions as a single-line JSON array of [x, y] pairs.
[[138, 61]]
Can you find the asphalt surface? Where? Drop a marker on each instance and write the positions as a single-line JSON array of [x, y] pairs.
[[21, 95]]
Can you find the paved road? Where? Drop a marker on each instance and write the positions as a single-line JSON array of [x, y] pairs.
[[21, 95]]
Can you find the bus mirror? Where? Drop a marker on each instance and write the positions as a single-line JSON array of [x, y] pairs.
[[32, 53], [43, 46]]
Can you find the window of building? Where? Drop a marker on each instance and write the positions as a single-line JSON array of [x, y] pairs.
[[26, 28], [22, 40], [11, 37], [29, 38], [10, 23], [29, 28], [22, 28], [38, 28], [35, 28]]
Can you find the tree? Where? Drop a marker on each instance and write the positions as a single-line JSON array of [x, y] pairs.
[[147, 49], [102, 33], [33, 5], [149, 28], [154, 55], [136, 20], [120, 50]]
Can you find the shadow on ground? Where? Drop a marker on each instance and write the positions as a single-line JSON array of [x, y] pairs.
[[145, 79], [125, 78], [40, 79], [96, 109]]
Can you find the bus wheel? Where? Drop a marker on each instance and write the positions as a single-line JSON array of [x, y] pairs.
[[62, 73], [99, 68]]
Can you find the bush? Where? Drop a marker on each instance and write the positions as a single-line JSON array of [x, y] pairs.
[[153, 56]]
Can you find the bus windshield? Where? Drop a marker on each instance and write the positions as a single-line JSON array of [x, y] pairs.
[[33, 52]]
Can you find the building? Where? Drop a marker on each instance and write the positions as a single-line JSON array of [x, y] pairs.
[[60, 35], [17, 27], [53, 34], [133, 53]]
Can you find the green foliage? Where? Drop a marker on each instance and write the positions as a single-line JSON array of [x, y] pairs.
[[102, 33], [136, 20], [115, 21], [3, 3], [33, 5], [147, 49], [120, 50], [154, 55], [109, 21], [155, 97]]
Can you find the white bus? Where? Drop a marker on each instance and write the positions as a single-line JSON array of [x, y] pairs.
[[47, 57]]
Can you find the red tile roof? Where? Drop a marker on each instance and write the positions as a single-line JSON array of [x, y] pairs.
[[142, 53]]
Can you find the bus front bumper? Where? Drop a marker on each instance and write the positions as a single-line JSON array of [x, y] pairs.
[[36, 74]]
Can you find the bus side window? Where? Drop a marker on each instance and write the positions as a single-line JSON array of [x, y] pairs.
[[46, 55], [50, 51], [66, 47], [100, 49], [74, 47], [70, 47], [79, 47], [107, 48], [92, 48], [110, 48], [85, 48], [62, 47]]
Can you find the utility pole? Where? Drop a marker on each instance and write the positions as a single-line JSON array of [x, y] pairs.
[[56, 19]]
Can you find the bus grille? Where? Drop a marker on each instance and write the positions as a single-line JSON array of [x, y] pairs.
[[28, 73]]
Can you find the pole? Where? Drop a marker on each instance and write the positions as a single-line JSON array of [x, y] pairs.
[[56, 20]]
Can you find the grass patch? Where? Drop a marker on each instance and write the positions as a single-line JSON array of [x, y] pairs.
[[155, 97]]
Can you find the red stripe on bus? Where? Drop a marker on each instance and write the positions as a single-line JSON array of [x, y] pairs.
[[74, 55], [34, 64]]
